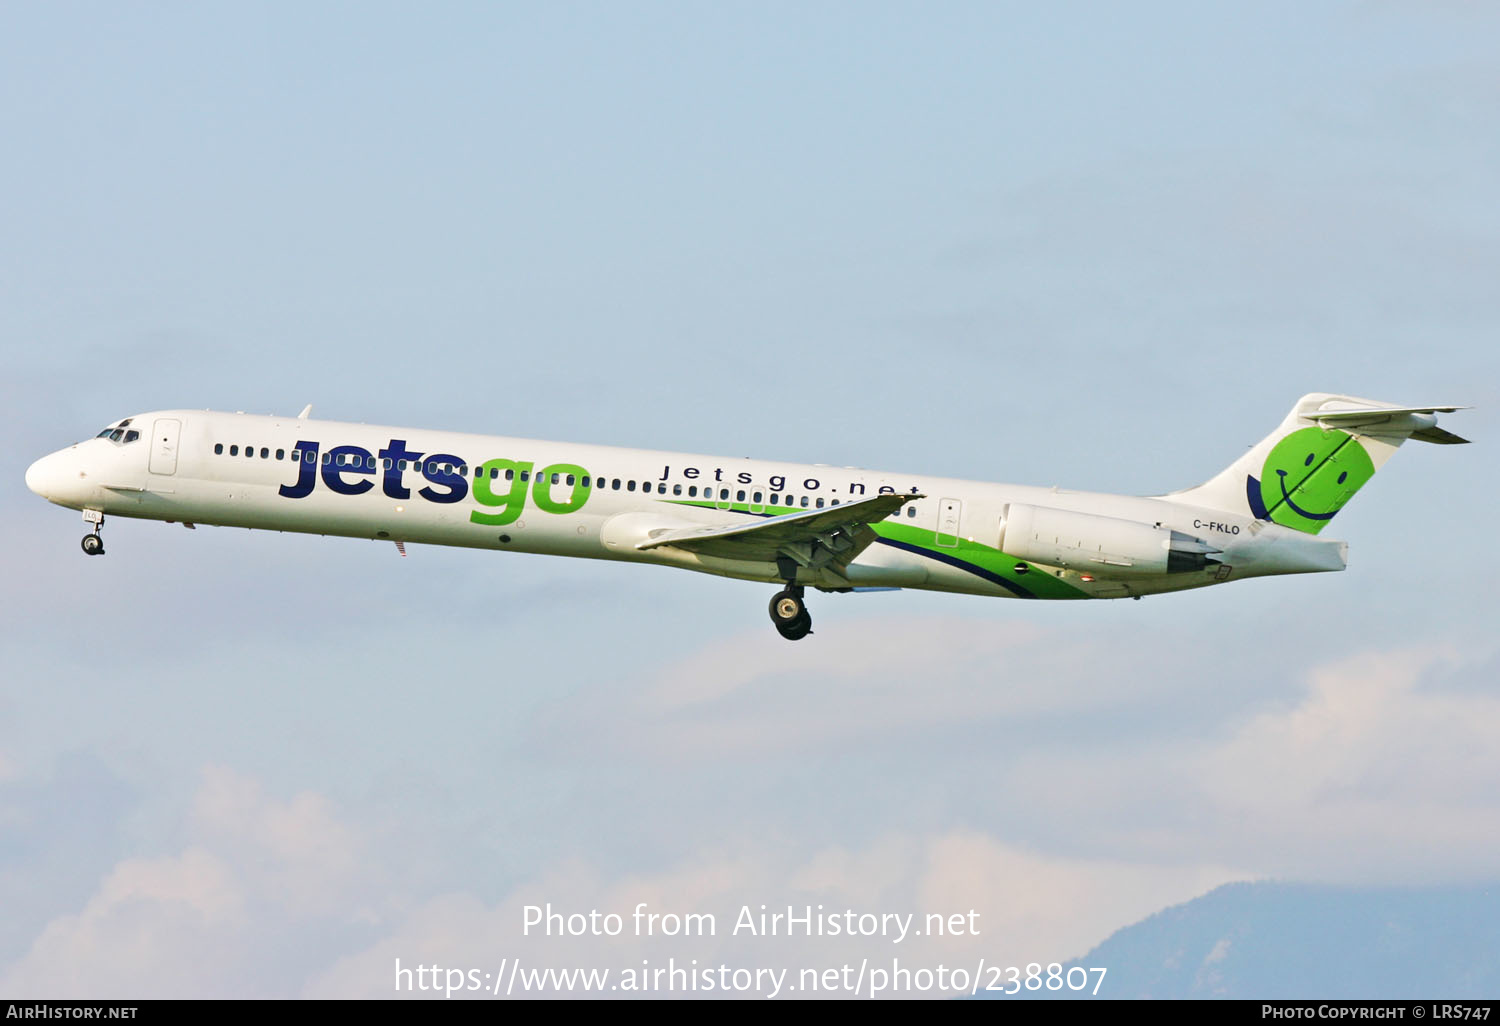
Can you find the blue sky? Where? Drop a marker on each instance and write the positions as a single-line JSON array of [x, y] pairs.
[[1099, 249]]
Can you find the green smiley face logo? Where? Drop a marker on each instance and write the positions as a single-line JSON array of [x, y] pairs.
[[1308, 477]]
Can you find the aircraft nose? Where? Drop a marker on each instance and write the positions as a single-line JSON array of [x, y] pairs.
[[36, 474], [47, 476]]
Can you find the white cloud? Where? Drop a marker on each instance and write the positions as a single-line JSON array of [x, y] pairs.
[[1380, 772], [156, 927], [754, 693], [1372, 761], [1375, 771], [214, 919], [237, 912]]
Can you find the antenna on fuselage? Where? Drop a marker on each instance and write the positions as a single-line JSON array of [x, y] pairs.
[[305, 411]]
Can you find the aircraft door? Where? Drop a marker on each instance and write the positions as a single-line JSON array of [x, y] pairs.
[[949, 512], [164, 446]]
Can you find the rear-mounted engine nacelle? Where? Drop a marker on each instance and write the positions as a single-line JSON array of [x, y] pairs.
[[1100, 546]]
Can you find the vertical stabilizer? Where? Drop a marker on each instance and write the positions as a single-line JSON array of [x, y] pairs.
[[1306, 470]]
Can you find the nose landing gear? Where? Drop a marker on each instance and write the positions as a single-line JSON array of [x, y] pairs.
[[93, 544], [789, 613]]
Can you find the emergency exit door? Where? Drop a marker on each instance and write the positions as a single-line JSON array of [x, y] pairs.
[[949, 511], [164, 446]]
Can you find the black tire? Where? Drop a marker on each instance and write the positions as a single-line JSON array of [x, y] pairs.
[[797, 629], [93, 545]]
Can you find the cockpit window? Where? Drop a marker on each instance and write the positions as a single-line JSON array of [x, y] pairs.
[[117, 432]]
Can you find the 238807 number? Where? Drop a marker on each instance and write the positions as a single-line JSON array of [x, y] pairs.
[[1010, 981]]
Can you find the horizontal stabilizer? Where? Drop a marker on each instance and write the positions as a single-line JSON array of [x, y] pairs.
[[1437, 436], [1413, 421], [1354, 412]]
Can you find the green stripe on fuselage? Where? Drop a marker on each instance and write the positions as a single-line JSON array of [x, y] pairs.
[[992, 560], [1037, 582]]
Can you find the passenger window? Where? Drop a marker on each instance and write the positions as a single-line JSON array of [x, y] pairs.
[[739, 496], [510, 474], [804, 502], [234, 450], [556, 478], [265, 453], [630, 486], [757, 497], [615, 484], [677, 489], [218, 448], [820, 503], [525, 475], [327, 459], [692, 491], [911, 511], [584, 482], [281, 454]]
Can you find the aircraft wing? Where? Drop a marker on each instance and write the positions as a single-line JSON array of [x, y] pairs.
[[810, 537]]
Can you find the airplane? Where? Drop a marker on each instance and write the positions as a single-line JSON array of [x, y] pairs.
[[836, 529]]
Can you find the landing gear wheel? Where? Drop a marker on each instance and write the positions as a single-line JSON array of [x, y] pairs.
[[797, 629], [789, 614], [93, 545], [786, 607]]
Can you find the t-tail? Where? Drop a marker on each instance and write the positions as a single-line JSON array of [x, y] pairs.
[[1328, 446]]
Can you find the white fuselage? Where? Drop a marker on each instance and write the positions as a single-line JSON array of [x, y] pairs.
[[495, 492]]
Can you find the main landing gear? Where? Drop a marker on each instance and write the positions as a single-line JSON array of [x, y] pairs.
[[93, 544], [789, 613]]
